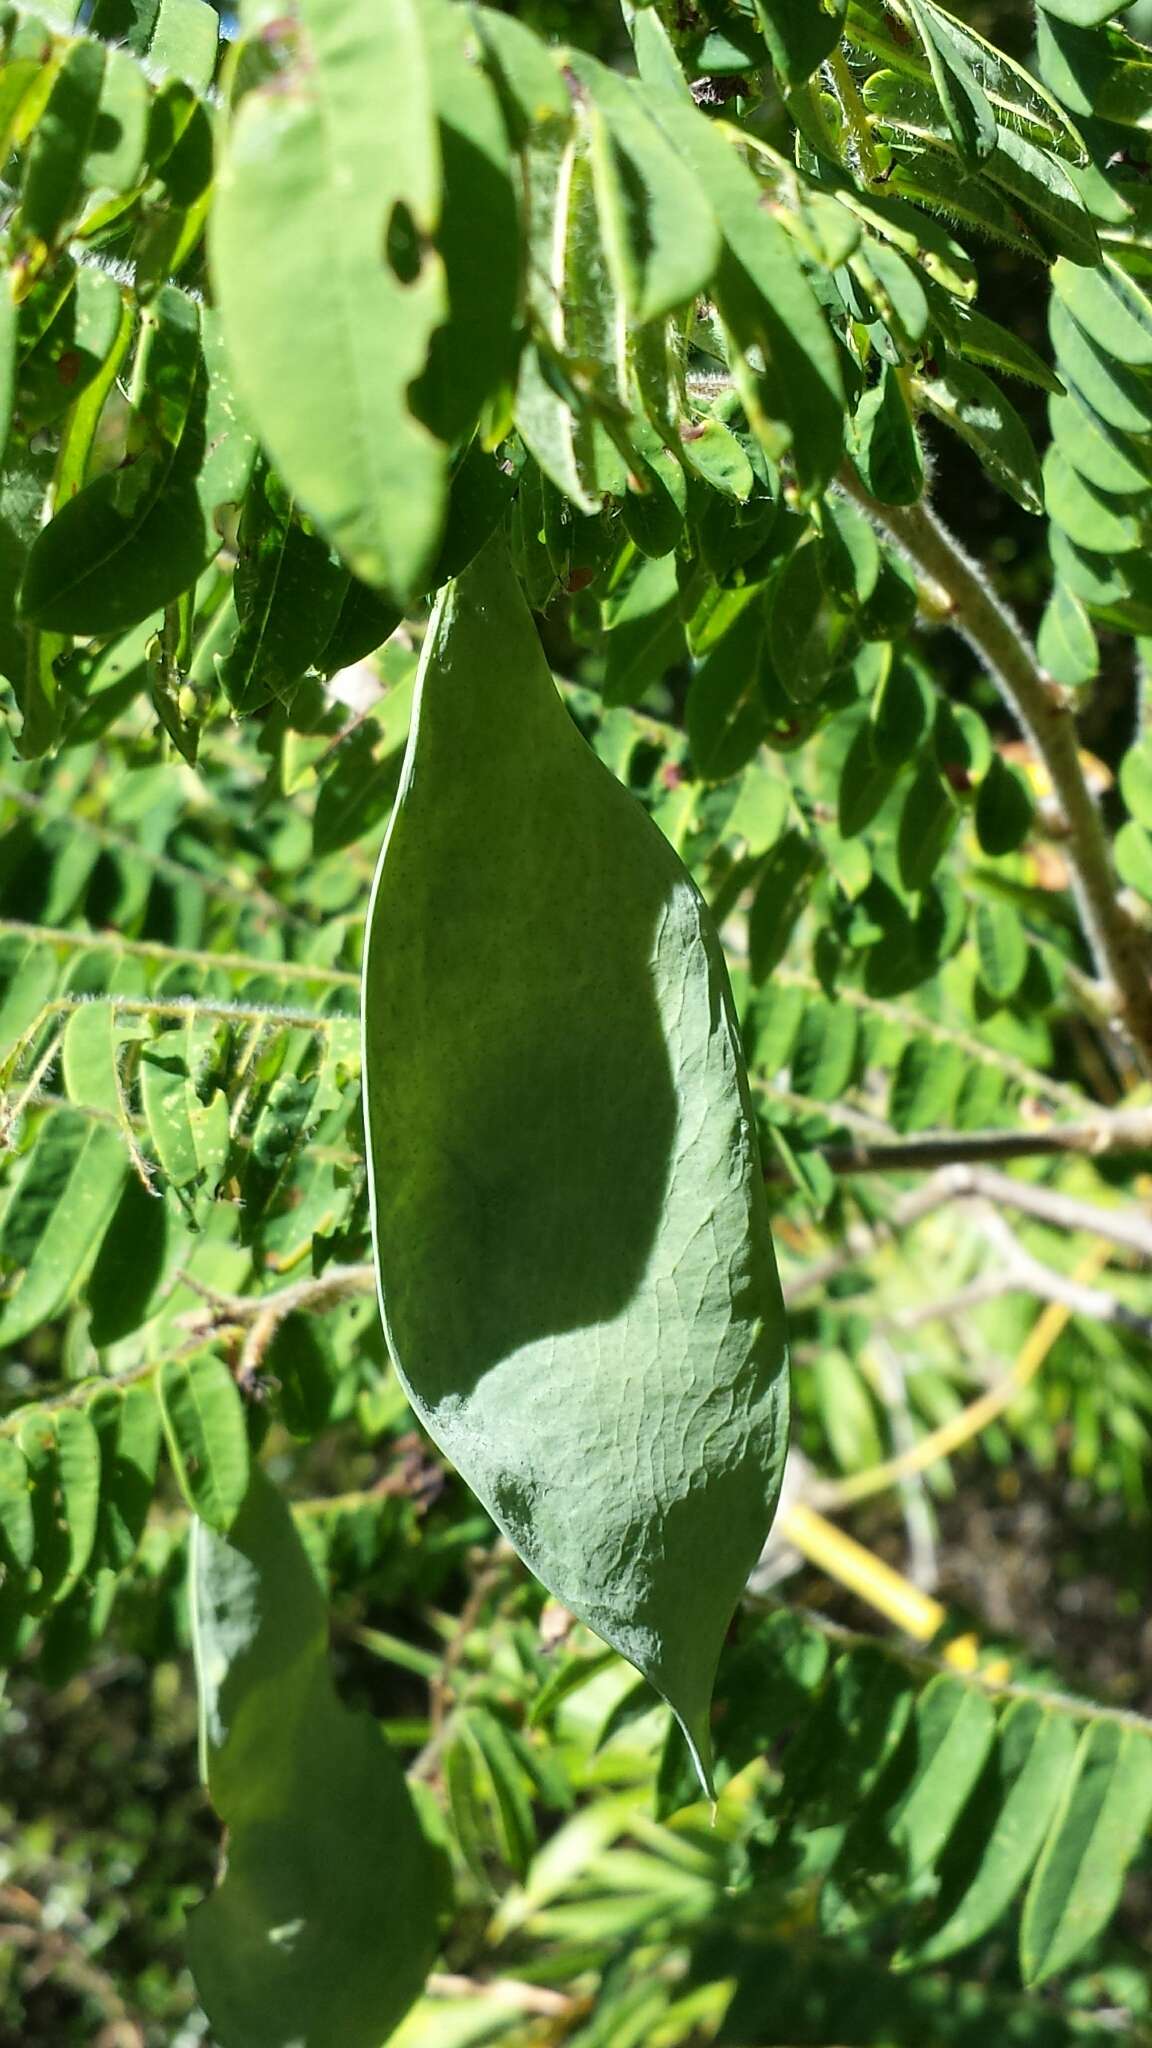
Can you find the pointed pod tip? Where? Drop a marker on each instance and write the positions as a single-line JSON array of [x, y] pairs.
[[698, 1735]]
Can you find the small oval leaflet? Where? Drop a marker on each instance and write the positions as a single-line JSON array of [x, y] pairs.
[[576, 1272]]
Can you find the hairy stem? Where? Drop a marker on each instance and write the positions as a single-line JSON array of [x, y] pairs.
[[1043, 711]]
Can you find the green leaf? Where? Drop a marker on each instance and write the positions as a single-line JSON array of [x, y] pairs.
[[1004, 809], [1136, 781], [1110, 307], [1132, 849], [1040, 181], [132, 541], [63, 1456], [183, 42], [1001, 948], [925, 1086], [59, 1212], [8, 334], [965, 104], [1087, 516], [980, 413], [725, 712], [782, 890], [883, 445], [848, 1738], [473, 354], [808, 635], [127, 1423], [53, 177], [115, 158], [583, 1224], [661, 237], [800, 34], [1082, 13], [325, 1922], [824, 1055], [767, 302], [327, 284], [909, 1819], [17, 1525], [1120, 396], [207, 1436], [973, 335], [866, 778], [1065, 642], [289, 587], [1107, 459], [1001, 1832], [72, 350], [190, 1136], [927, 822], [1097, 1829]]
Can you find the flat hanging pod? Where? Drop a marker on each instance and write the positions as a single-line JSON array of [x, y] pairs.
[[572, 1241]]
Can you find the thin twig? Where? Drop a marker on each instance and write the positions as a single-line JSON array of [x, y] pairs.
[[1110, 1131]]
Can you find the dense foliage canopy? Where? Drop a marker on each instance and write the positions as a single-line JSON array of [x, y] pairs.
[[678, 477]]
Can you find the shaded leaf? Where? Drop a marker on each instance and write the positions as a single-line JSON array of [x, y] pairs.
[[565, 1268], [325, 1922]]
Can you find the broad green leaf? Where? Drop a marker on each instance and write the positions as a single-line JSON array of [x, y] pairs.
[[966, 105], [1000, 1834], [130, 542], [1004, 809], [327, 284], [325, 1922], [53, 177], [1096, 1830], [800, 34], [63, 1456], [59, 1212], [1065, 642], [661, 236], [592, 1229], [17, 1525], [207, 1436], [980, 413], [713, 452], [767, 302], [1001, 948]]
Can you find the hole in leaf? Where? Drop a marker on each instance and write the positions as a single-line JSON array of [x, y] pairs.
[[402, 245]]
